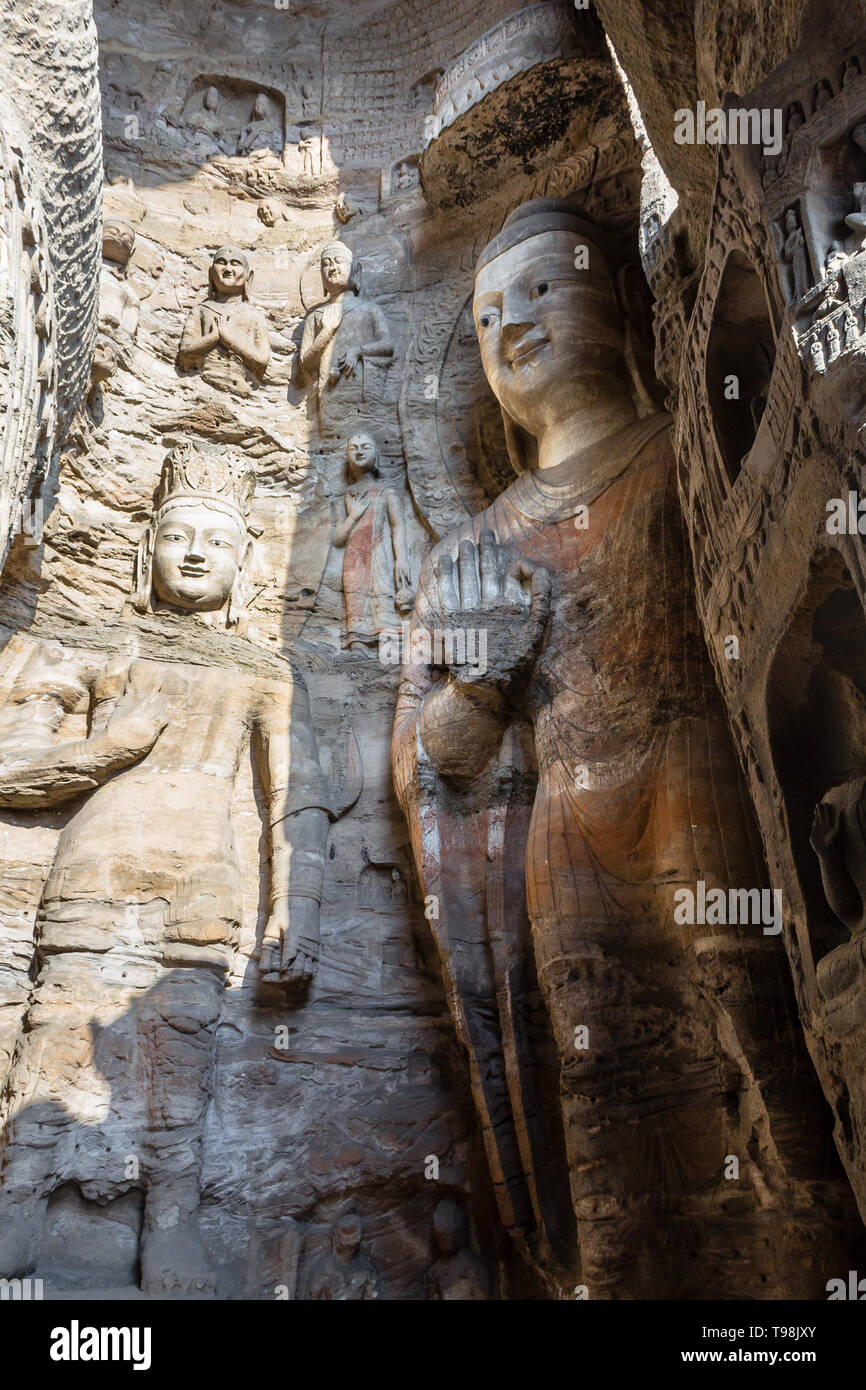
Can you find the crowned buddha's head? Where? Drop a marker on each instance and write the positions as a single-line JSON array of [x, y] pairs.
[[195, 553]]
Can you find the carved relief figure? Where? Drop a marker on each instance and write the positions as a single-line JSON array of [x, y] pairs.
[[852, 329], [823, 94], [208, 121], [271, 211], [557, 782], [376, 575], [850, 70], [346, 345], [816, 352], [344, 1274], [144, 893], [458, 1274], [404, 176], [119, 305], [226, 337], [795, 255], [306, 146], [263, 135], [345, 208]]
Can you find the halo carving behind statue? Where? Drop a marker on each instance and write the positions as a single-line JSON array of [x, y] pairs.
[[453, 436]]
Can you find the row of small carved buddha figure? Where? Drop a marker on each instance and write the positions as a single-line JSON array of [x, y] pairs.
[[345, 341]]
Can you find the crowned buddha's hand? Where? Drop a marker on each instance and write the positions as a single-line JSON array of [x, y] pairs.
[[138, 719], [503, 598]]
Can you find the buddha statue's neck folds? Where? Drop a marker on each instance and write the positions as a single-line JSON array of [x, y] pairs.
[[605, 411]]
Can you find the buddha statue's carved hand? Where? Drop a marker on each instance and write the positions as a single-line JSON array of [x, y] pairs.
[[210, 330], [138, 720], [503, 599], [290, 947], [348, 361]]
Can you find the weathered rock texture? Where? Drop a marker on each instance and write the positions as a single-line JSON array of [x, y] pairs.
[[51, 171], [770, 472], [276, 1022]]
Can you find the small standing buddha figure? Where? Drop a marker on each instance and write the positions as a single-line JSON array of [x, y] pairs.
[[343, 1275], [346, 347], [376, 575], [226, 337], [119, 305]]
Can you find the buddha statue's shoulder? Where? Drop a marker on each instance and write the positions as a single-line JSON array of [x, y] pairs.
[[171, 638]]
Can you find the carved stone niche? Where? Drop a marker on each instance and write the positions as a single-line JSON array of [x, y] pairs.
[[519, 98], [234, 116], [739, 362], [423, 92], [382, 887]]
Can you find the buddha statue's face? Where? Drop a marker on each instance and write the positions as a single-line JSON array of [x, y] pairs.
[[211, 99], [230, 271], [197, 554], [261, 108], [545, 327], [362, 453], [336, 269]]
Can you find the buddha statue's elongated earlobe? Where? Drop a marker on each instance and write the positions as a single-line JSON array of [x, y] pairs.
[[637, 338], [237, 618], [143, 572]]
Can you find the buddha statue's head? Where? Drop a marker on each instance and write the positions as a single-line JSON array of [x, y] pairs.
[[362, 454], [336, 263], [230, 273], [211, 99], [195, 553], [261, 108], [118, 240], [550, 324]]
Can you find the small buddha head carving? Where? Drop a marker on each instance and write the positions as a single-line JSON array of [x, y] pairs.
[[346, 1236], [211, 99], [261, 108], [230, 273], [336, 263], [118, 240], [549, 320], [270, 212], [362, 455], [195, 553]]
